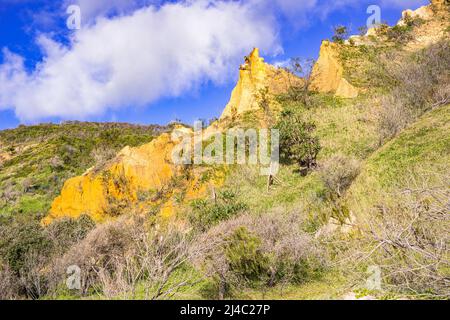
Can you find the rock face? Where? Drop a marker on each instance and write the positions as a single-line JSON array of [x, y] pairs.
[[327, 75], [255, 75], [424, 12], [137, 179]]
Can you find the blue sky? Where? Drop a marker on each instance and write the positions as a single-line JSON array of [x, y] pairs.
[[150, 61]]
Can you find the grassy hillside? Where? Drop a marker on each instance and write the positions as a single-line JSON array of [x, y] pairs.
[[363, 182]]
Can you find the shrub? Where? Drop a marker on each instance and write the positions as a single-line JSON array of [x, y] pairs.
[[28, 252], [298, 143], [67, 232], [244, 254], [400, 34], [393, 117], [102, 155], [9, 287], [98, 251], [258, 251], [117, 257], [18, 238], [206, 213], [25, 250]]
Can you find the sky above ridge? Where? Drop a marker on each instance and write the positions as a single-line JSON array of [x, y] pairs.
[[152, 61]]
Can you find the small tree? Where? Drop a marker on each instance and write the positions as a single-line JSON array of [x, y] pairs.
[[300, 90], [297, 141], [340, 34]]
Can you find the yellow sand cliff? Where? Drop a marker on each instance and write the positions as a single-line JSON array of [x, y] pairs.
[[255, 75], [137, 179]]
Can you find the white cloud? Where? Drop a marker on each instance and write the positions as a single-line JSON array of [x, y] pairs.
[[135, 60]]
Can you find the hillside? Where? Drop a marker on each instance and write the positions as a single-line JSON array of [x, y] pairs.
[[36, 160]]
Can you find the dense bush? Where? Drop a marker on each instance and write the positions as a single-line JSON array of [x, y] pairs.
[[66, 232], [244, 254], [206, 213], [18, 238]]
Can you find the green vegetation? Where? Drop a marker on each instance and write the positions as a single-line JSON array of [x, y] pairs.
[[26, 248]]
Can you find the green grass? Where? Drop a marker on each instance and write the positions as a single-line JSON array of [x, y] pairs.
[[331, 286]]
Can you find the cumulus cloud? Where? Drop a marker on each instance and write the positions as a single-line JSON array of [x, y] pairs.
[[135, 59]]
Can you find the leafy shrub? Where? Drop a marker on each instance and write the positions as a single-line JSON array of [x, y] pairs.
[[67, 232], [18, 238], [25, 249], [28, 252], [400, 34]]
